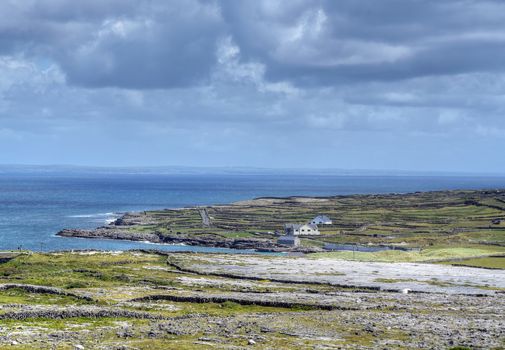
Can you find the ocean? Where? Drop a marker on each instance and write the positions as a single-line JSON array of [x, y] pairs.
[[35, 206]]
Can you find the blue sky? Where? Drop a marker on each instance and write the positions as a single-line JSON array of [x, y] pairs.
[[353, 84]]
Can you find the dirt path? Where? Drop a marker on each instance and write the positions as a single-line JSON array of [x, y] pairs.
[[205, 217]]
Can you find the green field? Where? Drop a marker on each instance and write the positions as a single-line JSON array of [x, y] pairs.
[[426, 255], [486, 262], [444, 225]]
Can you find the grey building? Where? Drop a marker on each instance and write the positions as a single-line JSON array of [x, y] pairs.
[[291, 241]]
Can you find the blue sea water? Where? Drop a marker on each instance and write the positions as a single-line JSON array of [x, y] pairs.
[[33, 207]]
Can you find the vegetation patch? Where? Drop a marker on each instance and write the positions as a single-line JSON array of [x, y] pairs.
[[432, 254], [42, 307], [494, 262], [421, 220]]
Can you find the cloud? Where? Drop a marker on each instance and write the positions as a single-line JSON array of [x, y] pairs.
[[170, 49], [334, 43], [222, 78], [130, 44], [166, 44]]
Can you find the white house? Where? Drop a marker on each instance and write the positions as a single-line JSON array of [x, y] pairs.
[[321, 220], [297, 230]]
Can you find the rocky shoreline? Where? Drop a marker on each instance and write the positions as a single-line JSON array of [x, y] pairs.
[[209, 241], [261, 245], [131, 227], [412, 220]]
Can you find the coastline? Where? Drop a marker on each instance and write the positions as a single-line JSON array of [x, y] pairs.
[[256, 224], [60, 203], [112, 234], [420, 293]]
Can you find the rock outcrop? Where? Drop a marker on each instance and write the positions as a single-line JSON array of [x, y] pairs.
[[115, 231]]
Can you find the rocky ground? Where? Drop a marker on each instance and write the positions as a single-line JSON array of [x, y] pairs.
[[125, 233], [427, 278], [155, 300]]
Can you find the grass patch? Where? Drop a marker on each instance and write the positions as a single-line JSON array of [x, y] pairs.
[[19, 296], [488, 262], [425, 255]]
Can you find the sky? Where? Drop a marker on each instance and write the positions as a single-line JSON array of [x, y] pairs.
[[351, 84]]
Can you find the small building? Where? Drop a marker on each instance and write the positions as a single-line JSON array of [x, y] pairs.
[[496, 221], [297, 229], [321, 220], [291, 241]]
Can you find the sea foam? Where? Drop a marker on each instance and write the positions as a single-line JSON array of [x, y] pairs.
[[97, 215]]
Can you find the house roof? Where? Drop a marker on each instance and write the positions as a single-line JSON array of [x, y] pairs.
[[321, 218], [298, 226]]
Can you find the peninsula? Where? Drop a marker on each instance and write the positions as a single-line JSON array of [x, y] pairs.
[[414, 226]]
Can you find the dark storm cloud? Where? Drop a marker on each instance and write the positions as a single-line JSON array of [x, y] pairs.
[[36, 26], [169, 49], [129, 44], [335, 42], [163, 44], [446, 59]]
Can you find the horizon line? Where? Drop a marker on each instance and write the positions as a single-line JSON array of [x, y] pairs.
[[327, 170]]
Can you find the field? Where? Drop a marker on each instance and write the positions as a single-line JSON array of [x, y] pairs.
[[440, 254], [491, 262], [444, 225], [154, 300], [442, 290]]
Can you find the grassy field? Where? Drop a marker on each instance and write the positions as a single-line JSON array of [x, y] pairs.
[[112, 280], [486, 262], [98, 300], [445, 225], [432, 254]]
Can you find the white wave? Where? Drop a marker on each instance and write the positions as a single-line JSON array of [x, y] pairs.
[[154, 243], [97, 215], [99, 218]]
